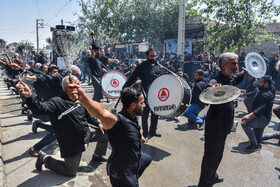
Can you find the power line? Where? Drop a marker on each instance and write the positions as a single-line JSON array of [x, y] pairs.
[[55, 15], [38, 8], [31, 32], [23, 28]]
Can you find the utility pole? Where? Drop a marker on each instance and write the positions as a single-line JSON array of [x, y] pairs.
[[181, 29], [37, 28]]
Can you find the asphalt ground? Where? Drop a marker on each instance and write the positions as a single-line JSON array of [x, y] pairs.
[[176, 155]]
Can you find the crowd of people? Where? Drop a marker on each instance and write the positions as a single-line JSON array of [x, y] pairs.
[[93, 123]]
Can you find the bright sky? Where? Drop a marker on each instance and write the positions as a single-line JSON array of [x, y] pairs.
[[18, 18]]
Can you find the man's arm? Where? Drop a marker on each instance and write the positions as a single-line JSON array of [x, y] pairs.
[[95, 109], [37, 107], [110, 60]]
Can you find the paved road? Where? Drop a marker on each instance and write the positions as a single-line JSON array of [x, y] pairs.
[[176, 156]]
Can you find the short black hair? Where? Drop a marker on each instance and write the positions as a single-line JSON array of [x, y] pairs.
[[149, 50], [51, 68], [129, 95], [267, 79], [200, 72]]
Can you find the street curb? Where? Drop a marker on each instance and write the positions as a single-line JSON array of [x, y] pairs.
[[2, 169]]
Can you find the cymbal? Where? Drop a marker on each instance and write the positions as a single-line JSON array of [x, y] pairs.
[[255, 65], [219, 95]]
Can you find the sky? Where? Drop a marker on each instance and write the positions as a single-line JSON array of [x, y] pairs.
[[18, 18]]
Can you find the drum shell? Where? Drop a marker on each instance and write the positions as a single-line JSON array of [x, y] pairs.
[[178, 99], [110, 89]]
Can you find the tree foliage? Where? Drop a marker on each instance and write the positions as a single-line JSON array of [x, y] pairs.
[[120, 20], [234, 24]]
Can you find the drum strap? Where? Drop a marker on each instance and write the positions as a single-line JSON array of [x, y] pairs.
[[96, 78]]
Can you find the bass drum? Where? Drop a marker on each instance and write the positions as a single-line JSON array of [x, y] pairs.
[[112, 83], [169, 95]]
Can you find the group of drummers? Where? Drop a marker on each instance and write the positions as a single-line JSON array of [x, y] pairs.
[[162, 92]]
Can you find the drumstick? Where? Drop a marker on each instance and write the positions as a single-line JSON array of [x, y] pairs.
[[114, 110], [167, 69]]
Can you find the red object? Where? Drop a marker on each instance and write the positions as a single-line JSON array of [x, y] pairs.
[[91, 33]]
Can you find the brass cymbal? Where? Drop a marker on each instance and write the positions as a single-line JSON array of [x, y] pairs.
[[219, 95]]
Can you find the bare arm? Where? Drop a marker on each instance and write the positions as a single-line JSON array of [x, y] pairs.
[[110, 60], [95, 109]]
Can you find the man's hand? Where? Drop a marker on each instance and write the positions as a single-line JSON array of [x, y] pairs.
[[14, 66], [100, 126], [76, 90], [244, 71], [216, 85], [24, 89], [143, 140], [246, 118], [245, 94]]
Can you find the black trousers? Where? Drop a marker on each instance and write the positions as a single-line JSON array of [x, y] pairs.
[[276, 111], [154, 121], [98, 95], [213, 154], [144, 162]]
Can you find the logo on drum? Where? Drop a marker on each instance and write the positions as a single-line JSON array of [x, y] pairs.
[[163, 94], [115, 83]]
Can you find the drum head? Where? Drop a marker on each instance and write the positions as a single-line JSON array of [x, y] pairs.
[[112, 83], [167, 95]]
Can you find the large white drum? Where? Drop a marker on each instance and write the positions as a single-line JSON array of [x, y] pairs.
[[112, 83], [169, 95]]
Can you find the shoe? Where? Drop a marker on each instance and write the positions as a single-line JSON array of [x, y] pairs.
[[201, 126], [218, 180], [99, 158], [177, 119], [253, 148], [234, 126], [40, 161], [34, 128], [157, 134], [33, 152], [29, 115], [147, 139]]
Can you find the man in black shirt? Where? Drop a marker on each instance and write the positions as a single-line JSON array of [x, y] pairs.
[[196, 105], [147, 71], [219, 121], [126, 162], [104, 59], [72, 131], [97, 72], [255, 122], [251, 92]]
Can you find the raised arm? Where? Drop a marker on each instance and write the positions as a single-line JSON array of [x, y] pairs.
[[95, 109]]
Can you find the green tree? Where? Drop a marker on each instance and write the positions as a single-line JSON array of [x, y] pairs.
[[234, 24], [120, 20]]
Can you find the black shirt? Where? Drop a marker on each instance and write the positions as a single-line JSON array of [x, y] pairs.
[[219, 118], [95, 67], [263, 103], [147, 74], [71, 130], [199, 87], [252, 88], [125, 139], [104, 60]]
